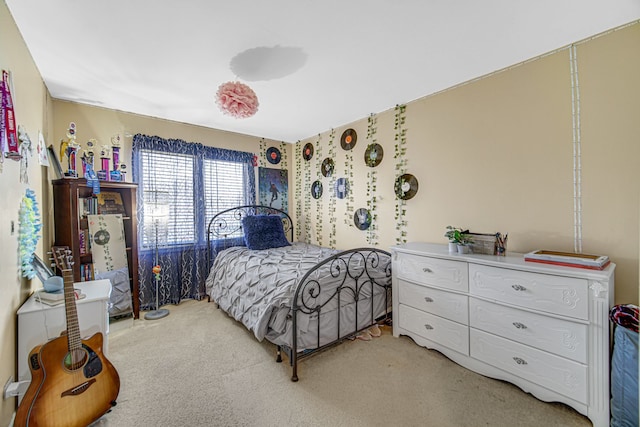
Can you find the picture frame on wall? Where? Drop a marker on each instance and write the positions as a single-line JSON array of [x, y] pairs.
[[42, 270]]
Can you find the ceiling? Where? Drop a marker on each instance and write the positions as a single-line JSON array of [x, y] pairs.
[[314, 65]]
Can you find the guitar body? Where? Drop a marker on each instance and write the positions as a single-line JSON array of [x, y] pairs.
[[68, 389]]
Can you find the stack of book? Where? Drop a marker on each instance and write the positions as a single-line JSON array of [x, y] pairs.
[[84, 244], [56, 298], [569, 259]]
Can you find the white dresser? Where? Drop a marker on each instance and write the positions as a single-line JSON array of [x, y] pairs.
[[542, 327], [39, 322]]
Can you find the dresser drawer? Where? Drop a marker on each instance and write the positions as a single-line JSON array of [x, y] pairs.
[[437, 329], [442, 303], [547, 370], [561, 337], [434, 271], [566, 296]]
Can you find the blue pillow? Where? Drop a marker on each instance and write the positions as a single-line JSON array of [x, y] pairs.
[[264, 232]]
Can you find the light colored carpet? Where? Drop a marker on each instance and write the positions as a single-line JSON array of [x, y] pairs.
[[199, 367]]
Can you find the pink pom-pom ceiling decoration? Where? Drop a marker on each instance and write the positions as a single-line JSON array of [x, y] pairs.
[[237, 99]]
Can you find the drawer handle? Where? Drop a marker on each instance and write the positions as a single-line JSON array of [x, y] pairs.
[[519, 287], [427, 270], [428, 299], [520, 361], [428, 327], [519, 325]]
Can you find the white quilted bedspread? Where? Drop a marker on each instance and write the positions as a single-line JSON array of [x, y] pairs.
[[251, 286]]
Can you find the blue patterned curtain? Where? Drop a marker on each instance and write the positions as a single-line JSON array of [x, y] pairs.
[[183, 260]]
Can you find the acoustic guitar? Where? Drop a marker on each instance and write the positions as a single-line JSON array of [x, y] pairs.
[[72, 382]]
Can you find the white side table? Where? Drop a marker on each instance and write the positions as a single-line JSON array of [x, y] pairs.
[[39, 322]]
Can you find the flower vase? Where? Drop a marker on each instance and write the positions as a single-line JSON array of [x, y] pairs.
[[453, 247]]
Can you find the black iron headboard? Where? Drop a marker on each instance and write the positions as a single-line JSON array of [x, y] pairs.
[[227, 224]]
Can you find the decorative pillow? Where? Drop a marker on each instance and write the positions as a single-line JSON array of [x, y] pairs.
[[264, 232]]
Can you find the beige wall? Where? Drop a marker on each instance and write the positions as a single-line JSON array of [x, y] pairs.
[[102, 124], [496, 154], [33, 112], [36, 111], [492, 155]]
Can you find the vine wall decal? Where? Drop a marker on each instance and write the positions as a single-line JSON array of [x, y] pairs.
[[262, 157], [372, 178], [284, 164], [331, 193], [297, 153], [348, 173], [306, 194], [401, 169], [319, 210]]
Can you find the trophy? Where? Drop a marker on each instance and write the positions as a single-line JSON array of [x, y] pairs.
[[103, 174], [87, 157], [115, 174], [69, 148], [87, 167]]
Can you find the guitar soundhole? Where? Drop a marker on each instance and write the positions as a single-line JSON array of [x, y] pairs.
[[84, 357], [75, 359]]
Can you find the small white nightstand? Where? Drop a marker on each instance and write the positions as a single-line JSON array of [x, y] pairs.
[[39, 322]]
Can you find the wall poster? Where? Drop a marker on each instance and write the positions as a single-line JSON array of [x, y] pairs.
[[273, 188]]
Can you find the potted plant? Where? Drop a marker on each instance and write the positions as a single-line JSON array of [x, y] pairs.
[[454, 234], [464, 242], [459, 239]]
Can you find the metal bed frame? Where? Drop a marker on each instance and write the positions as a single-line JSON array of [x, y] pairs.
[[308, 298]]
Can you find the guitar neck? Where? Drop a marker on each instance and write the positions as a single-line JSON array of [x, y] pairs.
[[73, 329]]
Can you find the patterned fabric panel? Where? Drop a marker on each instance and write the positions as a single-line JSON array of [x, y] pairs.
[[626, 315], [251, 285]]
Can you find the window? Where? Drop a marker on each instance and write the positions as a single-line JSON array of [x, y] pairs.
[[198, 181], [173, 174], [224, 187]]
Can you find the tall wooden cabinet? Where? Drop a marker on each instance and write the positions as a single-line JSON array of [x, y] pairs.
[[71, 224]]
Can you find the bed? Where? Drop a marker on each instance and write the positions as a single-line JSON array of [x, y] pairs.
[[301, 297]]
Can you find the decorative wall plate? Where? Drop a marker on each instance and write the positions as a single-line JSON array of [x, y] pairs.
[[373, 155], [348, 139], [273, 155], [316, 189], [342, 188], [327, 167], [406, 186], [362, 218], [307, 151]]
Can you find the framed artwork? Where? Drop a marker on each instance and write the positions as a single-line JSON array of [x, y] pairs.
[[273, 188], [316, 189], [43, 155], [373, 155], [342, 188], [307, 151], [362, 218], [109, 248], [348, 139], [327, 167], [42, 270], [273, 155], [406, 186]]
